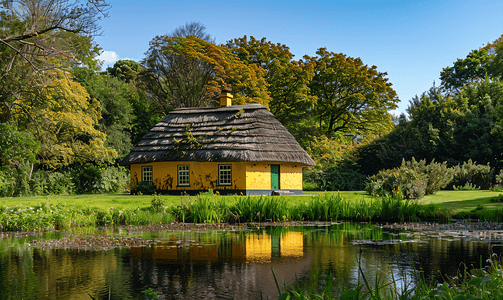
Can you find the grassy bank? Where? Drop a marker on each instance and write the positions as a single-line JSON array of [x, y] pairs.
[[60, 212]]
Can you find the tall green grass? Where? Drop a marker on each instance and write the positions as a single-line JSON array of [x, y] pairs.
[[323, 207], [477, 284], [210, 208]]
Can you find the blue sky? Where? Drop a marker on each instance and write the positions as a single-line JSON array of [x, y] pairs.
[[410, 40]]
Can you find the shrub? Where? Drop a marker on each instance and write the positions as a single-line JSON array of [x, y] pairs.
[[472, 176], [144, 188], [87, 179], [157, 204], [334, 178], [408, 182], [114, 180], [52, 183], [438, 174], [7, 184]]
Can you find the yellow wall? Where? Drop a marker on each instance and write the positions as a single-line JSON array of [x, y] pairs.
[[204, 176], [258, 176]]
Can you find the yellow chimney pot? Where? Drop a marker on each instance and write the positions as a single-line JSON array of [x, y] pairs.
[[225, 98]]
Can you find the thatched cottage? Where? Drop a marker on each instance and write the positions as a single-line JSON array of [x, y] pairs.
[[230, 149]]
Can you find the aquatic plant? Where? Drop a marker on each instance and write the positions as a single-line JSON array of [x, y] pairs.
[[482, 283]]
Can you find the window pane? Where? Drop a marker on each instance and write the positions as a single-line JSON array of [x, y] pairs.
[[225, 175], [183, 175], [146, 174]]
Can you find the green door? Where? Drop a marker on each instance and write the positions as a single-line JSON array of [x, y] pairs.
[[275, 177]]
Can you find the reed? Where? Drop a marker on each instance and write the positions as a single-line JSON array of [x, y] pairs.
[[213, 208], [323, 207], [479, 283]]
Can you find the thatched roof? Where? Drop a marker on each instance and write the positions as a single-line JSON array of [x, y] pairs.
[[220, 134]]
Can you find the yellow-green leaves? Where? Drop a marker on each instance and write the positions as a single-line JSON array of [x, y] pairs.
[[63, 118], [350, 96]]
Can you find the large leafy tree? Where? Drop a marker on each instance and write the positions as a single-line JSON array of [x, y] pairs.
[[287, 79], [190, 72], [486, 62], [31, 31], [39, 36], [351, 97], [453, 128], [115, 97], [63, 117], [146, 112]]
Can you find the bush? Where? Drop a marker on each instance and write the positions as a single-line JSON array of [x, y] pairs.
[[52, 183], [334, 178], [144, 188], [471, 176], [408, 182], [438, 174], [114, 180], [87, 179], [7, 184]]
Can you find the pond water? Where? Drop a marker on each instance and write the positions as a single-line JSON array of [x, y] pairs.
[[228, 264]]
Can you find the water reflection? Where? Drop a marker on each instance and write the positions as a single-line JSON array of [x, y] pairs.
[[229, 265]]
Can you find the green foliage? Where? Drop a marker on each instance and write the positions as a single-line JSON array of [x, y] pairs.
[[351, 97], [16, 146], [157, 204], [471, 175], [408, 182], [452, 128], [326, 207], [486, 62], [191, 72], [438, 174], [115, 97], [87, 179], [475, 284], [52, 183], [125, 70], [144, 188], [114, 180], [287, 80], [151, 295]]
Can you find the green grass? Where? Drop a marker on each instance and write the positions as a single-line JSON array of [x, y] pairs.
[[462, 200], [483, 283], [45, 212]]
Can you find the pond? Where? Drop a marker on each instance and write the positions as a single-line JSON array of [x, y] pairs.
[[229, 264]]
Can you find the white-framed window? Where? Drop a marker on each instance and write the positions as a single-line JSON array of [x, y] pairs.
[[147, 174], [183, 175], [224, 174]]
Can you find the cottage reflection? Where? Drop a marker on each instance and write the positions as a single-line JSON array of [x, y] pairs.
[[249, 247]]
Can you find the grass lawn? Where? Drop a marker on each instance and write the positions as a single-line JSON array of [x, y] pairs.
[[454, 200], [463, 200], [104, 201]]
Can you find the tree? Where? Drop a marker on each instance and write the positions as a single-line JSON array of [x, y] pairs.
[[452, 128], [62, 117], [287, 79], [351, 97], [126, 70], [195, 29], [475, 67], [115, 97], [146, 112], [31, 30], [485, 62], [39, 36], [190, 72]]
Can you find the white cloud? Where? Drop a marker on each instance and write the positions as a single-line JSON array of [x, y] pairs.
[[108, 57]]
